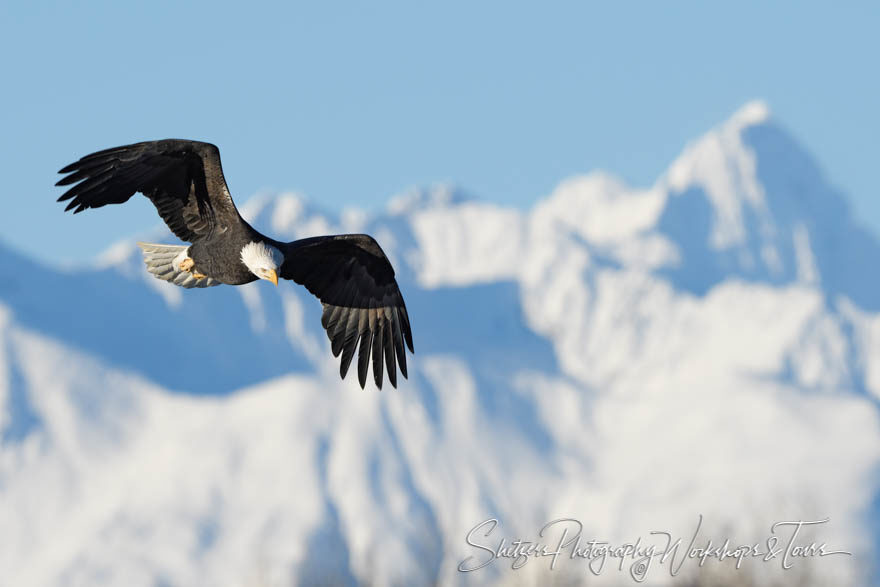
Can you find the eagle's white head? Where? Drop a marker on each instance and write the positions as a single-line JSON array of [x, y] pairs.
[[263, 260]]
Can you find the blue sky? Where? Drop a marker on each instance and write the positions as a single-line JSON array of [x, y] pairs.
[[352, 103]]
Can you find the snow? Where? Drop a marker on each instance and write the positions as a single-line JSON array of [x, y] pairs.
[[633, 358], [471, 243], [807, 271], [414, 199], [288, 208], [600, 208], [751, 114], [722, 165]]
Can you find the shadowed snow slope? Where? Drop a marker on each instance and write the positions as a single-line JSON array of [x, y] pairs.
[[632, 358]]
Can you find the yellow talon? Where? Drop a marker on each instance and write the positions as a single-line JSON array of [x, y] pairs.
[[187, 264], [199, 275]]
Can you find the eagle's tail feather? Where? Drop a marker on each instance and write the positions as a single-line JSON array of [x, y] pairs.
[[163, 261]]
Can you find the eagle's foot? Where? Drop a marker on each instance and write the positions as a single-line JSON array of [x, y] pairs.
[[187, 265], [199, 276]]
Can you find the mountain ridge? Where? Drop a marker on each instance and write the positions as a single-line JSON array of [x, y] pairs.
[[631, 357]]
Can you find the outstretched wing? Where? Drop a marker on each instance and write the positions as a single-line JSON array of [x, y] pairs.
[[363, 308], [182, 178]]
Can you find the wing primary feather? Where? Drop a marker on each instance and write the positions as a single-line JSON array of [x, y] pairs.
[[377, 351], [82, 173], [389, 347], [357, 331], [90, 164], [89, 190], [102, 154], [325, 315], [335, 315], [348, 318], [398, 341], [407, 331], [364, 357], [351, 338], [87, 163], [337, 337], [85, 186], [342, 326]]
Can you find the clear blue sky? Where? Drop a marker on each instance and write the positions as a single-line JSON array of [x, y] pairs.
[[352, 103]]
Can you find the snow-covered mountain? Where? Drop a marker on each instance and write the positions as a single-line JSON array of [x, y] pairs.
[[632, 358]]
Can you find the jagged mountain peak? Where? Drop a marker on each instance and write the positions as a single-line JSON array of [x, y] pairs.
[[749, 114], [723, 165], [288, 215], [750, 169], [439, 195], [747, 200], [600, 208]]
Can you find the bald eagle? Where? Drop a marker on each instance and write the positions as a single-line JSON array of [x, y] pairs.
[[348, 273]]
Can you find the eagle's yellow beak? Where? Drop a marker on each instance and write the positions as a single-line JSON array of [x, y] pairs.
[[272, 276]]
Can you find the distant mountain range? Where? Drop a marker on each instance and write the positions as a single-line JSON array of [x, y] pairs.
[[633, 358]]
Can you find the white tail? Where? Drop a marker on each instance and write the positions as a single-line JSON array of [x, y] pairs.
[[163, 261]]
